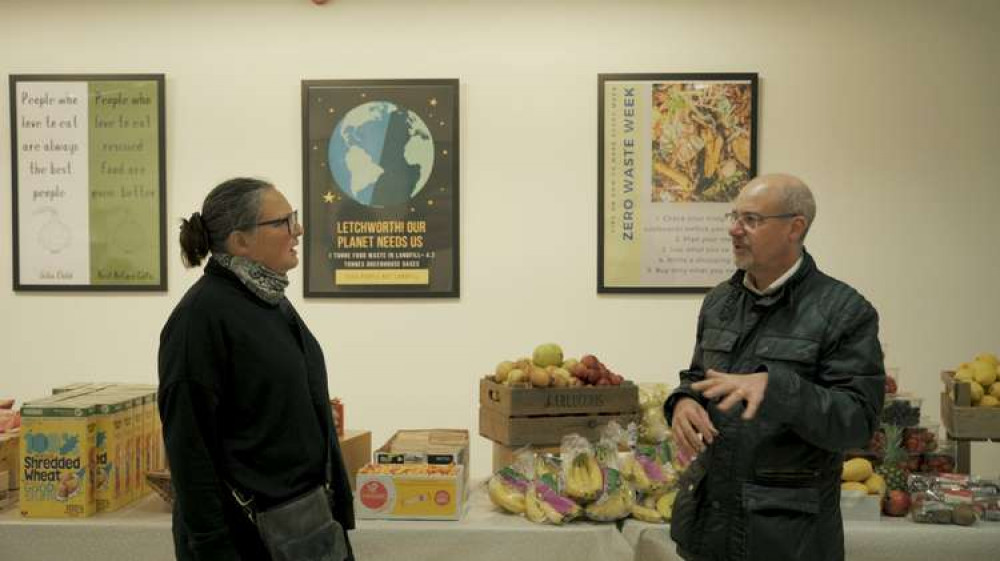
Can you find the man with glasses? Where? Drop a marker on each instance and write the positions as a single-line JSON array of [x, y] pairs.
[[787, 373]]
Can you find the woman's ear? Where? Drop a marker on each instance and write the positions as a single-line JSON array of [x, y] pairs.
[[238, 243]]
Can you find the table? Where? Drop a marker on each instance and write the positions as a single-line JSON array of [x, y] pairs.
[[890, 539], [483, 534], [142, 531]]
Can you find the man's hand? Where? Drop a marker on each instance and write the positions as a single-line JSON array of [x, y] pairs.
[[691, 420], [733, 388]]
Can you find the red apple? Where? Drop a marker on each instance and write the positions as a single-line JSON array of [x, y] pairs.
[[896, 503], [890, 384]]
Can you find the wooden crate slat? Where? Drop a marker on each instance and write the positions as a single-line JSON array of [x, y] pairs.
[[520, 402], [545, 430], [960, 418]]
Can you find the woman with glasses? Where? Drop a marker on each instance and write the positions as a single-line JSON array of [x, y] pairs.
[[243, 386]]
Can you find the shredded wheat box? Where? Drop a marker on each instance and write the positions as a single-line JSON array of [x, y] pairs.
[[58, 459], [111, 443]]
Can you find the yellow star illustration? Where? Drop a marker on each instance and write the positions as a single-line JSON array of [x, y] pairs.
[[328, 197]]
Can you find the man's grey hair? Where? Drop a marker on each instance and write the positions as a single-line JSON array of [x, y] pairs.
[[798, 199]]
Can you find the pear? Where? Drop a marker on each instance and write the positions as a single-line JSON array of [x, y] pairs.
[[976, 392], [549, 354], [988, 401], [964, 373], [995, 390], [989, 358], [502, 371], [984, 373]]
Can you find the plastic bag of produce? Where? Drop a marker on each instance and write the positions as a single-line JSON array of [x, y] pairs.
[[580, 469]]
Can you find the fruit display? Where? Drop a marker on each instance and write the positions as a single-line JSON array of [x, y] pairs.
[[891, 386], [597, 481], [653, 426], [893, 468], [901, 411], [917, 440], [953, 499], [983, 376], [548, 368], [859, 475], [507, 488]]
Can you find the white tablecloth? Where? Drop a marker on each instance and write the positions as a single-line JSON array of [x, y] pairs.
[[890, 539], [142, 532]]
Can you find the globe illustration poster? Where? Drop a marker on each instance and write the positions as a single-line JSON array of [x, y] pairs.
[[381, 154], [380, 196]]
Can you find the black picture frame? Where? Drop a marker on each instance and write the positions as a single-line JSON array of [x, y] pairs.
[[646, 245], [380, 193], [124, 201]]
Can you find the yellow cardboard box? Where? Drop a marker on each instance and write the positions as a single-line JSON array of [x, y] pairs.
[[111, 442], [417, 475], [58, 459], [411, 496]]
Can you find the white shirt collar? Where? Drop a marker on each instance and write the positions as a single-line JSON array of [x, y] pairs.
[[778, 283]]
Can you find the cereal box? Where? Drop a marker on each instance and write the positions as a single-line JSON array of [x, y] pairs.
[[58, 459]]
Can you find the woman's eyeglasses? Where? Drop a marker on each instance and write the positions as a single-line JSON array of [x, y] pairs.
[[290, 221]]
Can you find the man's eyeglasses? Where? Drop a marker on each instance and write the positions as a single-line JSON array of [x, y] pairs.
[[290, 221], [752, 220]]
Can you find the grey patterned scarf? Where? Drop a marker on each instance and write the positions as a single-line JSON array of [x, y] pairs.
[[268, 285]]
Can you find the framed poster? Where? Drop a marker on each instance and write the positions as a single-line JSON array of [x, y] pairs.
[[89, 182], [673, 151], [380, 188]]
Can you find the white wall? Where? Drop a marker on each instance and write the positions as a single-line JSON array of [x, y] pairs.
[[886, 108]]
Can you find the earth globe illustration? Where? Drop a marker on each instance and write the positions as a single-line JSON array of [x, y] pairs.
[[381, 154]]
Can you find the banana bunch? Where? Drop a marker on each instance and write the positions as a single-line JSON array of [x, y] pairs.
[[506, 493], [665, 504], [546, 467], [646, 514], [557, 508], [542, 505], [635, 474], [533, 508], [584, 479], [614, 506]]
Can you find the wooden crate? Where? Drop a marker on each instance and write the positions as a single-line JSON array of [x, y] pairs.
[[961, 418], [542, 416]]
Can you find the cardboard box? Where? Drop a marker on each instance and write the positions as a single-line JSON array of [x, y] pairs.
[[10, 457], [426, 446], [412, 496], [542, 416], [417, 475], [59, 459], [961, 418], [356, 447]]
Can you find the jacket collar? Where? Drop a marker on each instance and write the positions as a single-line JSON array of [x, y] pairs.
[[807, 267], [215, 269]]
